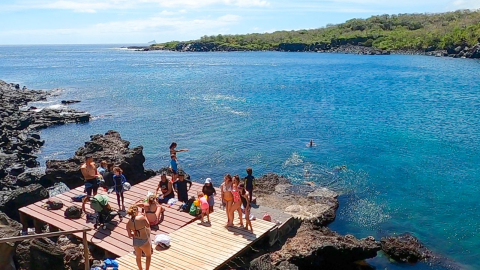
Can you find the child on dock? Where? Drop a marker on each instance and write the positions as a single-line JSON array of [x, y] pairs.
[[118, 181], [204, 206], [249, 183]]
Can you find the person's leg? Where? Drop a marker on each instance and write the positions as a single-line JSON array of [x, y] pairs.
[[158, 212], [250, 192], [118, 200], [211, 203], [208, 216], [147, 249], [95, 186], [138, 257], [230, 212], [237, 207], [247, 219], [123, 200]]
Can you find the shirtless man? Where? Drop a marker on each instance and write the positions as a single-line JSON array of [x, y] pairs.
[[90, 175]]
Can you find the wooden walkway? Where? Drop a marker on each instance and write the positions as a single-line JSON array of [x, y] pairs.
[[114, 239], [196, 246]]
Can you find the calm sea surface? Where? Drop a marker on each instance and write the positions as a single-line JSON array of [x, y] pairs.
[[406, 127]]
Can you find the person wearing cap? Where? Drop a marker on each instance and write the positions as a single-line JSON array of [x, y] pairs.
[[209, 190]]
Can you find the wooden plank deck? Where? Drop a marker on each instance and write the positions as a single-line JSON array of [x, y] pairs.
[[196, 246], [114, 239]]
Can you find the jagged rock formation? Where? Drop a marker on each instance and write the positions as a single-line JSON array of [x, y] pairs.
[[8, 228], [318, 248], [405, 248], [110, 147], [18, 138]]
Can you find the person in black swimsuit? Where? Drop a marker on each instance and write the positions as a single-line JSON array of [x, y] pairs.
[[167, 190], [246, 205]]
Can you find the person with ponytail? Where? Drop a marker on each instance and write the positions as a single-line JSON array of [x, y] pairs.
[[153, 210], [138, 228]]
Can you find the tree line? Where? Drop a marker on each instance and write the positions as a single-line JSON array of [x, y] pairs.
[[426, 31]]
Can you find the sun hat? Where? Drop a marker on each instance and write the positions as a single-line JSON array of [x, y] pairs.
[[208, 181]]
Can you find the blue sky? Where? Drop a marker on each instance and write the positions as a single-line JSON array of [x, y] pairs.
[[140, 21]]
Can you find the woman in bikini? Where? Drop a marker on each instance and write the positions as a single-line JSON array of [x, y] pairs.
[[237, 202], [173, 151], [152, 209], [227, 196], [138, 228]]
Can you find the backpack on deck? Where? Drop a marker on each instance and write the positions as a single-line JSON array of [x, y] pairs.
[[73, 212], [194, 210], [186, 206], [99, 202], [54, 204]]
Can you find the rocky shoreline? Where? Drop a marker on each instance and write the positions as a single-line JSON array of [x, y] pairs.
[[310, 243], [347, 47]]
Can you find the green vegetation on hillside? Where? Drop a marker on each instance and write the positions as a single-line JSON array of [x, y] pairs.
[[386, 32]]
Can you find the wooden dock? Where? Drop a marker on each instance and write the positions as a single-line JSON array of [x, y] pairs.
[[206, 247], [190, 241]]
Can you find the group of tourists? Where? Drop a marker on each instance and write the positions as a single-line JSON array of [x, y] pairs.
[[236, 195], [107, 175], [148, 212]]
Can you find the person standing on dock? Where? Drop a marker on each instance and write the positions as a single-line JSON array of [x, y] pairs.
[[138, 228], [174, 161], [91, 177]]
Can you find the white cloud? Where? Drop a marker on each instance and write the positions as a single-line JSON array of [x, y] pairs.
[[92, 6], [467, 4]]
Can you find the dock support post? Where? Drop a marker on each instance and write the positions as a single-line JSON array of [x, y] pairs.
[[38, 225], [52, 228], [85, 251], [24, 221]]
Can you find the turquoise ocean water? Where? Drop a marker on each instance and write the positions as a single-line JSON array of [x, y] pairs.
[[406, 127]]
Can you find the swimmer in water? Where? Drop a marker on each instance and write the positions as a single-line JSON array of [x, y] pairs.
[[311, 144]]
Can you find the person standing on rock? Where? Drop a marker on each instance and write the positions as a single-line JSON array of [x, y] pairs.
[[173, 151], [91, 177]]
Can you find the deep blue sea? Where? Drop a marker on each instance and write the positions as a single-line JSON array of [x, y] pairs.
[[406, 127]]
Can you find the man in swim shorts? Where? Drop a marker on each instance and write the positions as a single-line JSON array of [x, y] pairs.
[[91, 177]]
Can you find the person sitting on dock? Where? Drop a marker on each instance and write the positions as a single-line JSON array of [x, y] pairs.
[[167, 189], [91, 176], [152, 209]]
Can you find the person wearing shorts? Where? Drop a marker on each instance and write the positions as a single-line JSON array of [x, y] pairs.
[[209, 190], [204, 206], [91, 176]]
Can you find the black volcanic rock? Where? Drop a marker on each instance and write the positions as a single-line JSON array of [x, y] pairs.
[[110, 147], [405, 248], [11, 201], [18, 140], [318, 248], [8, 228]]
